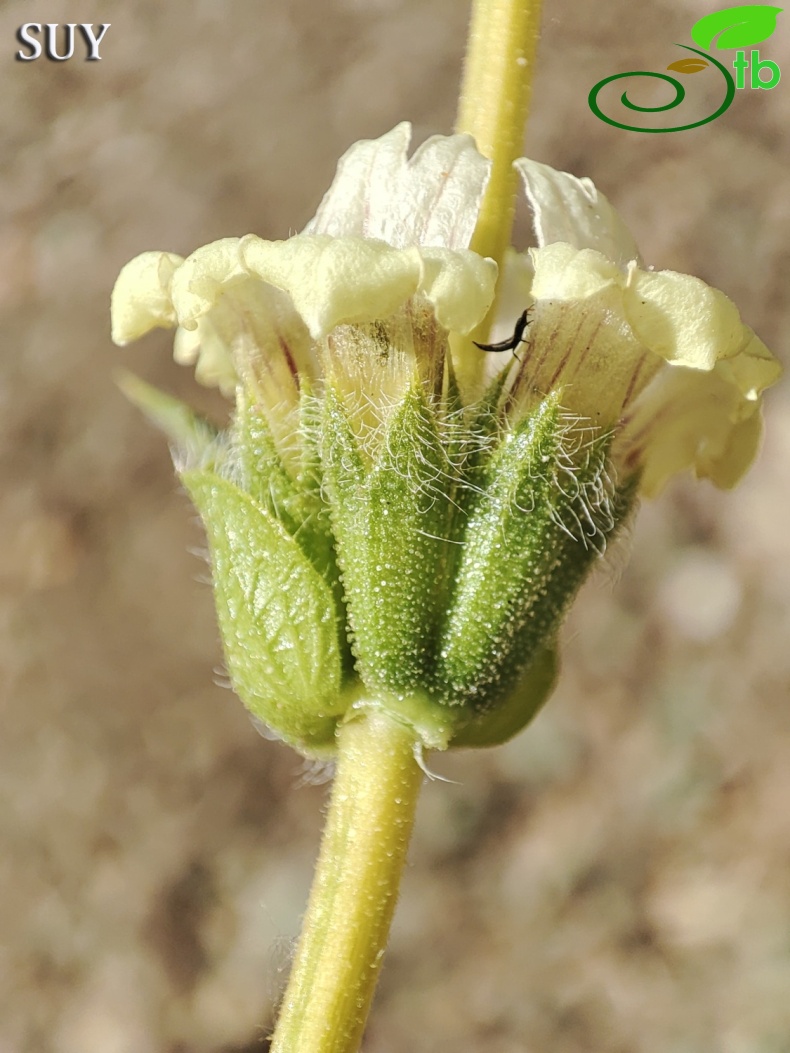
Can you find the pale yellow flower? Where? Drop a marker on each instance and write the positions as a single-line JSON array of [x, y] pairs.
[[661, 357], [382, 275]]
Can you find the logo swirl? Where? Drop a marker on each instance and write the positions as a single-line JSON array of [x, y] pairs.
[[680, 94]]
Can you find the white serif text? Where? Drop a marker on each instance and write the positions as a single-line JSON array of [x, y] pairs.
[[58, 42]]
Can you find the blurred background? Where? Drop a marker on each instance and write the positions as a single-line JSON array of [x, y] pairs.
[[617, 878]]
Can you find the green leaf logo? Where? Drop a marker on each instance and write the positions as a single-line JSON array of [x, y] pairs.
[[688, 65], [737, 27]]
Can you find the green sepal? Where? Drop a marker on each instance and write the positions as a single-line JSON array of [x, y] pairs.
[[483, 431], [543, 515], [486, 415], [298, 502], [198, 439], [512, 713], [260, 470], [389, 519], [277, 616]]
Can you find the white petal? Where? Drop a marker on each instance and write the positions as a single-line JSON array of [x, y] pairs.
[[186, 346], [206, 349], [141, 297], [432, 199], [563, 272], [439, 194], [675, 316], [585, 348], [574, 211], [687, 419], [460, 285], [337, 281], [752, 369], [367, 171], [709, 421], [197, 283], [682, 319], [232, 325]]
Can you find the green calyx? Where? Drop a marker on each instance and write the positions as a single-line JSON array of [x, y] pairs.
[[389, 520], [542, 513], [277, 615], [424, 575]]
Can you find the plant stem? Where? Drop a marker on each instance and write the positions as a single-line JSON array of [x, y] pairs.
[[371, 813], [494, 104], [375, 792]]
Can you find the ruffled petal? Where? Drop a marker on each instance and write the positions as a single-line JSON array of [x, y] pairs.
[[563, 272], [585, 301], [682, 319], [752, 369], [205, 349], [708, 421], [459, 285], [234, 326], [573, 210], [432, 199], [580, 338], [141, 297], [201, 279], [687, 419], [735, 455], [337, 281], [366, 173], [383, 273], [333, 281]]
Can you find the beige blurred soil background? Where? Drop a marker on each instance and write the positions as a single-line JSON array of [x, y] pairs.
[[617, 879]]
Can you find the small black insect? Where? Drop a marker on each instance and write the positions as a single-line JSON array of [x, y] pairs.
[[513, 341]]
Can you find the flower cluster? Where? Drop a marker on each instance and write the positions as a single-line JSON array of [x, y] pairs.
[[397, 519]]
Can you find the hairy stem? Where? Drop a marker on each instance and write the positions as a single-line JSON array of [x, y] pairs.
[[355, 889], [494, 104]]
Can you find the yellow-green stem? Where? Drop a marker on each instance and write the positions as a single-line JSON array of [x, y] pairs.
[[355, 889], [494, 103]]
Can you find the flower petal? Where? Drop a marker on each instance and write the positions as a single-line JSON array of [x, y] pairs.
[[574, 211], [584, 347], [205, 349], [685, 419], [460, 285], [199, 281], [234, 326], [431, 199], [580, 338], [141, 296], [708, 421], [563, 272], [367, 172], [753, 369], [336, 281], [682, 319], [673, 318], [736, 454]]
